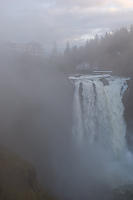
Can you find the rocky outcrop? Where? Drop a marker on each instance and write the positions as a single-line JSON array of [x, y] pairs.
[[18, 179], [123, 193]]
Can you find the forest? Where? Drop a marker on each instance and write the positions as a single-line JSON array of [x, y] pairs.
[[112, 51]]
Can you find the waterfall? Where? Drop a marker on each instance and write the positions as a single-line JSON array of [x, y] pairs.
[[98, 111]]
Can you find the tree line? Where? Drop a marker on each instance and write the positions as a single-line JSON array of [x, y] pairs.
[[113, 51]]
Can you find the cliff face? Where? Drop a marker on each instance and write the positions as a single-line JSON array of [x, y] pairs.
[[123, 193], [18, 179]]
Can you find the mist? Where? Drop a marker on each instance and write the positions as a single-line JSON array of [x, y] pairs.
[[66, 103]]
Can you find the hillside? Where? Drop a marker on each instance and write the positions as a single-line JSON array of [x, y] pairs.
[[18, 179]]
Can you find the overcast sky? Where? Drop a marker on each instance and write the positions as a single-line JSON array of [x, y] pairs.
[[48, 21]]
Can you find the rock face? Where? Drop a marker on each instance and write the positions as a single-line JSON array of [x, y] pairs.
[[123, 193], [18, 179]]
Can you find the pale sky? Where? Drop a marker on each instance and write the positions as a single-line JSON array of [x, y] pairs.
[[50, 21]]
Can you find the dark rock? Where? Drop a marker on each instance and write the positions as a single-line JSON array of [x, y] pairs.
[[123, 193]]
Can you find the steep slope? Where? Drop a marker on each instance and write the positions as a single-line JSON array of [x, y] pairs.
[[18, 179]]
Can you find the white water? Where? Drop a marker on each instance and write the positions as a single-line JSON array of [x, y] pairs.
[[98, 111]]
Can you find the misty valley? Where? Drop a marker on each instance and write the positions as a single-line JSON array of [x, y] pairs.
[[66, 100]]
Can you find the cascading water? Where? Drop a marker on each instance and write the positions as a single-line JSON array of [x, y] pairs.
[[98, 111]]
